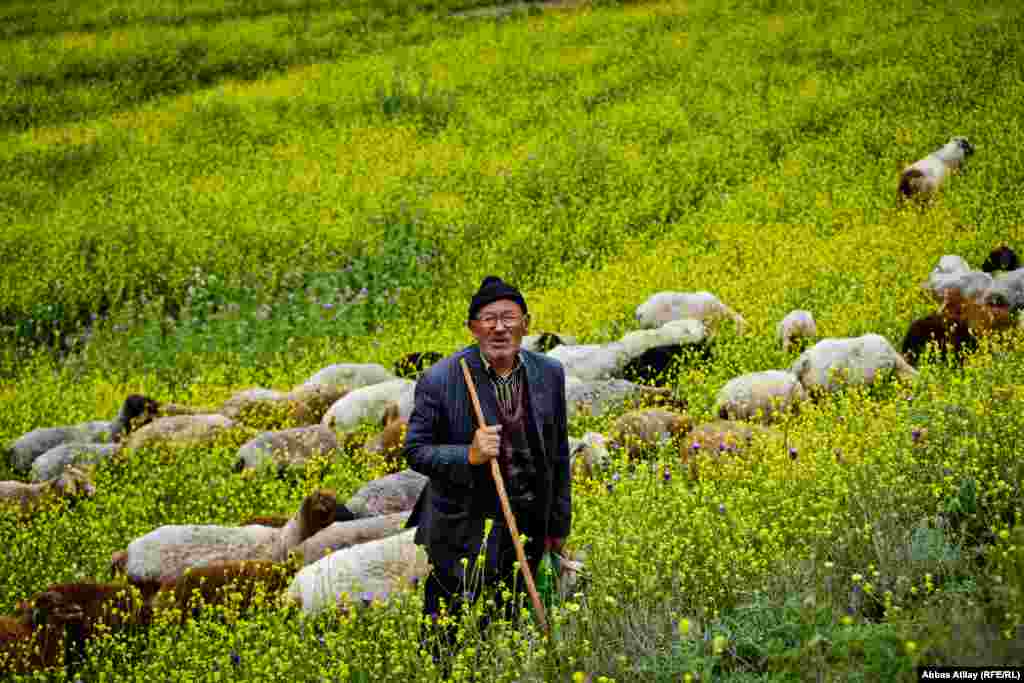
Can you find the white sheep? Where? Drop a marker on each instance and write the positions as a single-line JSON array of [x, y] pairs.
[[375, 569], [927, 175], [760, 395], [798, 324], [953, 272], [850, 360], [704, 306], [592, 361], [369, 403]]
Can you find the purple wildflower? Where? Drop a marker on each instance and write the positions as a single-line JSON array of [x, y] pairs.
[[915, 434], [328, 306], [792, 452], [721, 508], [667, 475], [236, 659], [616, 476], [695, 446]]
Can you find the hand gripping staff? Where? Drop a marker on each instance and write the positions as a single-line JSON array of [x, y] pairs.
[[510, 519]]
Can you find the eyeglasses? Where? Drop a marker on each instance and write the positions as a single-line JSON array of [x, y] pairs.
[[491, 321]]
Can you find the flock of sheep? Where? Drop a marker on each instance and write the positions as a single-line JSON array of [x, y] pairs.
[[327, 548]]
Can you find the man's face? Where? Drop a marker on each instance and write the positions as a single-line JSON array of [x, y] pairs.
[[499, 328]]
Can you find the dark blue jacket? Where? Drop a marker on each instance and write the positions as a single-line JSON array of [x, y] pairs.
[[450, 512]]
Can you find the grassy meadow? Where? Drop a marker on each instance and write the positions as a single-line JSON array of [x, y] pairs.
[[198, 198]]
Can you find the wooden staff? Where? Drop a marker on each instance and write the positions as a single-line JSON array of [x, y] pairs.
[[510, 519]]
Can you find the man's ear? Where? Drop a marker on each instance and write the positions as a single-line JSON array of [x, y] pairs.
[[526, 323]]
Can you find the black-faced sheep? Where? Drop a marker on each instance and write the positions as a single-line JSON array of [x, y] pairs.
[[927, 175], [412, 365], [1001, 258]]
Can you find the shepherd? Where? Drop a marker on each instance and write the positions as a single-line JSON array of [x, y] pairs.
[[491, 401]]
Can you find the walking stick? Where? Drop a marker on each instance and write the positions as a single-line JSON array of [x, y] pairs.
[[510, 519]]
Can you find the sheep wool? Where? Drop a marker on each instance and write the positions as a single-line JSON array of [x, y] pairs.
[[372, 570]]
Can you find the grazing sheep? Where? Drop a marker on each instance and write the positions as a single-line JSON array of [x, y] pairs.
[[342, 535], [21, 649], [720, 436], [592, 361], [953, 338], [73, 483], [704, 306], [545, 341], [1010, 286], [651, 352], [654, 366], [166, 552], [1001, 258], [759, 395], [240, 583], [396, 492], [287, 448], [268, 409], [798, 326], [412, 365], [32, 445], [849, 360], [598, 397], [351, 375], [76, 612], [372, 570], [926, 176], [136, 411], [369, 403], [51, 463], [989, 312], [389, 441], [641, 430], [180, 430], [970, 283], [588, 455]]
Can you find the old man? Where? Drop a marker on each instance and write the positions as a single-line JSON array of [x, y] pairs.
[[522, 396]]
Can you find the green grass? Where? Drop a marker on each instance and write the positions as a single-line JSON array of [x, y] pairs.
[[198, 199]]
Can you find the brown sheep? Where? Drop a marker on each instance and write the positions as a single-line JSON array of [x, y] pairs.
[[73, 613], [389, 442], [18, 641], [222, 583], [640, 430], [73, 482]]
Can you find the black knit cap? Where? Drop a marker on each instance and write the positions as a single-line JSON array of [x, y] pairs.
[[492, 289]]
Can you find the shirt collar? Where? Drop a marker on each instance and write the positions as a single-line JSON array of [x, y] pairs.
[[493, 373]]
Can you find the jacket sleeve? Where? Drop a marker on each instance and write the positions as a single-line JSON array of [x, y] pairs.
[[448, 462], [560, 523]]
